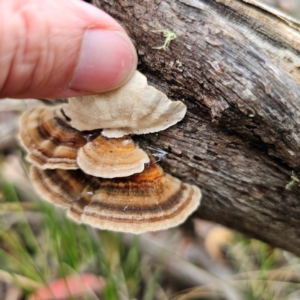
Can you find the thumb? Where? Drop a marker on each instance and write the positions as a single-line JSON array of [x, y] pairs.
[[60, 49]]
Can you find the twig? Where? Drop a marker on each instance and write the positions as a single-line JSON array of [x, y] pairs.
[[181, 269]]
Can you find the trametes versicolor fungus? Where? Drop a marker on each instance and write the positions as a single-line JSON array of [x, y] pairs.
[[134, 108], [106, 180], [49, 139], [118, 157], [53, 144], [148, 201]]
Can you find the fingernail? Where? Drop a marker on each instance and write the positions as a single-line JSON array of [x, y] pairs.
[[106, 61]]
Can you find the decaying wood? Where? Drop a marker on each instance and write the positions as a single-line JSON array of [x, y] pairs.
[[237, 67]]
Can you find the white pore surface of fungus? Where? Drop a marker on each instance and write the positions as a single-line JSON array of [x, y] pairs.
[[134, 108]]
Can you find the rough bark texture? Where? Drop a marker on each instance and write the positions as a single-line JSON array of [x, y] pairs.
[[239, 78]]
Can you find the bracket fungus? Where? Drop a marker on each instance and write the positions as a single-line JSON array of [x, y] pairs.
[[53, 144], [148, 201], [110, 158], [49, 139], [134, 108], [103, 178]]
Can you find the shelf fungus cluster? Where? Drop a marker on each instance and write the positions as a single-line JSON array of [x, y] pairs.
[[83, 159]]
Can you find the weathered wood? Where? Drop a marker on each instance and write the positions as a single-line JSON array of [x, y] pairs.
[[239, 78]]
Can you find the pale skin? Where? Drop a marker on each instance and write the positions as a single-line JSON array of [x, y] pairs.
[[61, 48]]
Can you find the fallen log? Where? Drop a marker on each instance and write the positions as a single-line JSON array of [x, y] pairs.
[[236, 65]]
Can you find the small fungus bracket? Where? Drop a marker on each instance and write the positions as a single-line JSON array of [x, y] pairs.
[[294, 179], [168, 35]]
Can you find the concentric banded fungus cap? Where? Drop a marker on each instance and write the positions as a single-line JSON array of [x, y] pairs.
[[59, 187], [49, 139], [134, 108], [111, 158], [149, 201]]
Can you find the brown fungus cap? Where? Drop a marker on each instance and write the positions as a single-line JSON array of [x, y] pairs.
[[53, 144], [149, 201], [111, 158], [134, 108], [49, 139], [59, 187]]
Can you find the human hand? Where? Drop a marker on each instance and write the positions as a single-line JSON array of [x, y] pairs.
[[57, 49]]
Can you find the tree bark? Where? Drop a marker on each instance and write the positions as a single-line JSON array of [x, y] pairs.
[[236, 65]]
